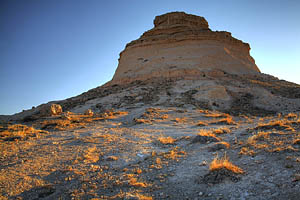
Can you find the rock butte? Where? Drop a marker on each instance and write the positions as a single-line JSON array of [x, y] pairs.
[[182, 45]]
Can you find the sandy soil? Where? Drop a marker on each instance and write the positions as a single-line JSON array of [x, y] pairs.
[[153, 153]]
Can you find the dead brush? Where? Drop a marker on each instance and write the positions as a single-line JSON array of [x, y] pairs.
[[18, 131], [221, 130], [142, 121], [225, 121], [201, 123], [277, 124], [112, 114], [246, 151], [166, 140], [291, 116], [224, 163], [180, 120], [205, 136], [270, 142], [59, 124]]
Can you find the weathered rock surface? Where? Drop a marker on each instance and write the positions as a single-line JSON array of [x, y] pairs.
[[182, 45], [182, 63]]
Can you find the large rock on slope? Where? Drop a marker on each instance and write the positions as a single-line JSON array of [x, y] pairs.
[[182, 45], [182, 63]]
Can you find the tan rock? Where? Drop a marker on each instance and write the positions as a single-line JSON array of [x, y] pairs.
[[55, 109], [182, 45]]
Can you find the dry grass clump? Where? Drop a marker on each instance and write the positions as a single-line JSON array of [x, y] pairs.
[[246, 151], [18, 132], [162, 158], [224, 163], [225, 121], [296, 141], [137, 196], [166, 140], [71, 120], [226, 144], [133, 181], [270, 141], [291, 116], [142, 121], [180, 120], [112, 114], [277, 124], [152, 115], [174, 154], [204, 111], [208, 133], [217, 115], [222, 130], [155, 114], [201, 123]]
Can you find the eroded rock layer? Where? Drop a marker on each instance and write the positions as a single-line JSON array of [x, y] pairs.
[[182, 45]]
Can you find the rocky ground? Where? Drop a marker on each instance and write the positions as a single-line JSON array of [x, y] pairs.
[[152, 152]]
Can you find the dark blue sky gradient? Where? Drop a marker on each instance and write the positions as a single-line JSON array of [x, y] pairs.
[[55, 49]]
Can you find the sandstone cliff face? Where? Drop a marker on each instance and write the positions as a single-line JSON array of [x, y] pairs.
[[182, 45]]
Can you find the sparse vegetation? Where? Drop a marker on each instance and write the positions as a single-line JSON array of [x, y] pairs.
[[221, 130], [201, 123], [224, 163], [166, 140], [224, 121], [18, 132], [276, 124]]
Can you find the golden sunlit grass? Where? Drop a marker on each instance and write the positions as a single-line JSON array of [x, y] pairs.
[[246, 151], [142, 121], [204, 111], [217, 115], [71, 120], [137, 195], [111, 114], [291, 116], [221, 130], [226, 144], [208, 133], [154, 114], [283, 148], [180, 120], [174, 154], [200, 123], [166, 140], [134, 182], [226, 121], [276, 124], [272, 141], [224, 163], [18, 131], [296, 141]]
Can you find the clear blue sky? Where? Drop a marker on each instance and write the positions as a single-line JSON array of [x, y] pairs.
[[55, 49]]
